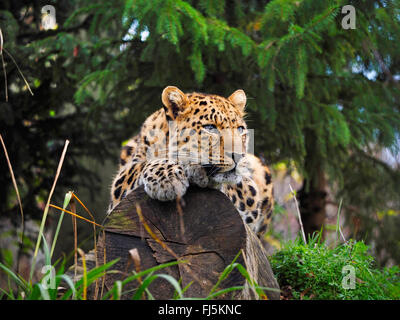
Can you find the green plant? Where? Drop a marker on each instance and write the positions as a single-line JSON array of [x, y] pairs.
[[19, 289], [315, 271]]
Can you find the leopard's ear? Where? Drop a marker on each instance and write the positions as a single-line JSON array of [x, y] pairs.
[[238, 98], [174, 100]]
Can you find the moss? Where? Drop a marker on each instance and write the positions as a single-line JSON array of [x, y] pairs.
[[317, 271]]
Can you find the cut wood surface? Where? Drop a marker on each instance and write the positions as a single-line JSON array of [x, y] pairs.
[[203, 229]]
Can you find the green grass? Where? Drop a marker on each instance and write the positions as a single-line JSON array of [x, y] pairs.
[[304, 271], [20, 289], [56, 275], [315, 271], [312, 271]]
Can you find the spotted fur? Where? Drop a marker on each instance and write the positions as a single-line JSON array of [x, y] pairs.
[[168, 155]]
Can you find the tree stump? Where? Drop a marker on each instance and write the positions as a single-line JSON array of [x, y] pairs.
[[203, 229]]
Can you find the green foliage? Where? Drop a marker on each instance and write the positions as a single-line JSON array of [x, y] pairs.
[[320, 95], [315, 271], [25, 290]]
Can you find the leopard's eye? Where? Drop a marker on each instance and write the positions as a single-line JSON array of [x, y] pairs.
[[240, 129], [211, 128]]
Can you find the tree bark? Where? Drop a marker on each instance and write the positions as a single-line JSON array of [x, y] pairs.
[[312, 196], [206, 232], [312, 205]]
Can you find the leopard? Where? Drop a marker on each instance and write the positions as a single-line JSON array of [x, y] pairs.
[[197, 139]]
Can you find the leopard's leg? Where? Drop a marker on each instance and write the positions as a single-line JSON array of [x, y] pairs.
[[164, 180], [197, 175], [161, 180], [252, 196], [125, 181]]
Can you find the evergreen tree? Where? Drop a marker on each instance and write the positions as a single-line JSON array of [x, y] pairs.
[[320, 96]]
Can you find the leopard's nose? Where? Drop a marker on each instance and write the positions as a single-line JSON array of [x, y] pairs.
[[235, 156]]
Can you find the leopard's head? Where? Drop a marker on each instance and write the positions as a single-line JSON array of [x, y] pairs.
[[208, 130]]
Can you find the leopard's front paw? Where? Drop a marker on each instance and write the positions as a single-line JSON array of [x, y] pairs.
[[197, 175], [165, 183]]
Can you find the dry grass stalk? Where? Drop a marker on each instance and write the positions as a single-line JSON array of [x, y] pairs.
[[14, 184], [94, 224], [4, 65], [75, 215], [82, 254], [134, 254], [17, 193], [51, 194], [75, 231], [19, 70], [135, 257], [103, 280], [2, 49], [46, 209], [298, 214]]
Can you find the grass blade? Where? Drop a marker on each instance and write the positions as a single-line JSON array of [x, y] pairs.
[[46, 209], [70, 283], [151, 278], [46, 250], [17, 279], [43, 292], [85, 285], [9, 295], [143, 273], [223, 291], [117, 290], [92, 275], [225, 273], [67, 198]]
